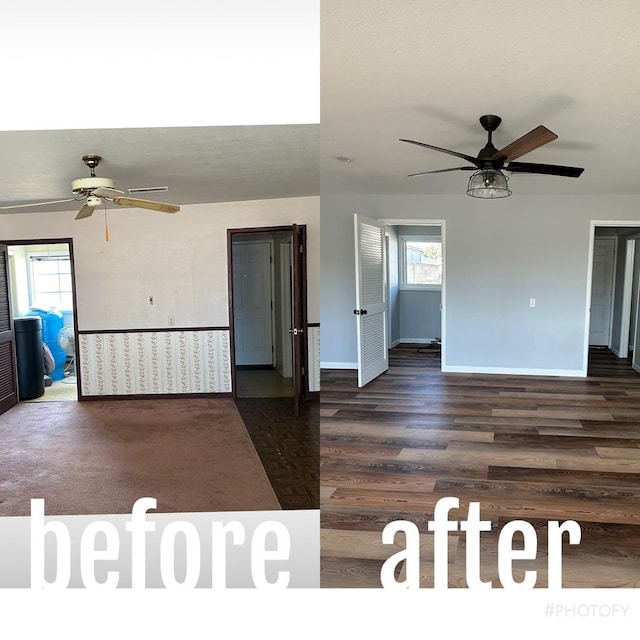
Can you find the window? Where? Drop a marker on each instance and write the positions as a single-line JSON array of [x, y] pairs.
[[421, 262], [50, 282]]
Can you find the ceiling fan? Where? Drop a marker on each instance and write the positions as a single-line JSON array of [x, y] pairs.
[[488, 181], [94, 190]]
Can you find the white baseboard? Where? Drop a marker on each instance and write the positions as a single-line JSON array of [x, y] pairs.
[[416, 340], [507, 371], [338, 365]]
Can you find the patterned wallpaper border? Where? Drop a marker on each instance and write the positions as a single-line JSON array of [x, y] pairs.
[[166, 361], [155, 362]]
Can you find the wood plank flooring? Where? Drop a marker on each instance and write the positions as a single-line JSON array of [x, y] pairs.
[[526, 448]]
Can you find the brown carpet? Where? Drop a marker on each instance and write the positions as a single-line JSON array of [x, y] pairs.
[[100, 457]]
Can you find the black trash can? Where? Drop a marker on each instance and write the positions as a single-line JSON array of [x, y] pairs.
[[29, 356]]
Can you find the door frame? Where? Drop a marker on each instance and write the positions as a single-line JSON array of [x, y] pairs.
[[300, 381], [628, 224], [69, 243], [431, 222]]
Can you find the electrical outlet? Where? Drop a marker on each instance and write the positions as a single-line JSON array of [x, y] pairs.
[[532, 302], [151, 301], [171, 321]]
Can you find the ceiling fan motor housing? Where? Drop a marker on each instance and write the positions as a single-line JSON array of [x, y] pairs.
[[84, 186]]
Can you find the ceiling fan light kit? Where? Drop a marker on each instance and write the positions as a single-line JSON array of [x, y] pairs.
[[488, 183], [488, 180]]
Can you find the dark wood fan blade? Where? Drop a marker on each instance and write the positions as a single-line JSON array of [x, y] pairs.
[[451, 153], [546, 169], [527, 143], [422, 173]]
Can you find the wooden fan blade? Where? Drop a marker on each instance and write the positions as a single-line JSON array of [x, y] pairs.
[[545, 169], [470, 159], [85, 212], [147, 204], [107, 192], [37, 204], [527, 143], [422, 173]]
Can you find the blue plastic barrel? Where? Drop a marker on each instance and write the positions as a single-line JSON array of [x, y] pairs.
[[52, 323]]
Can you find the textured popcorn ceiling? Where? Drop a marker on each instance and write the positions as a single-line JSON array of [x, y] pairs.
[[198, 164], [427, 70], [234, 86]]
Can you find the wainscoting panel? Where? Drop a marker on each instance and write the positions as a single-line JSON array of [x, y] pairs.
[[313, 349], [155, 362]]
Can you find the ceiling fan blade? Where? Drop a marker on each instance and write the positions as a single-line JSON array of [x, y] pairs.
[[545, 169], [85, 212], [163, 207], [422, 173], [471, 159], [527, 143], [107, 192], [37, 204]]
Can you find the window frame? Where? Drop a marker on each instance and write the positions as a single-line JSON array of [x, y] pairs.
[[402, 257], [30, 256]]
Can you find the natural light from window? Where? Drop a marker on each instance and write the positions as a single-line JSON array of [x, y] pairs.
[[421, 262], [50, 282]]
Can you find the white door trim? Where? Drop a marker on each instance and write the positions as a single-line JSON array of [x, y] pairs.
[[587, 314], [432, 222]]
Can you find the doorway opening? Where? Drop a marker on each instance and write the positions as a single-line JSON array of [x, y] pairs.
[[612, 318], [400, 290], [267, 308], [415, 279], [42, 301], [262, 298]]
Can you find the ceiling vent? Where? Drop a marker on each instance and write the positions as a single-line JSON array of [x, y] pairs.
[[148, 189]]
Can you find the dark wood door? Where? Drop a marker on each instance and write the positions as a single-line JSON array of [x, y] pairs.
[[299, 329], [8, 386]]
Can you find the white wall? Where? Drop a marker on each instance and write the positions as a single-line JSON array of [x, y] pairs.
[[180, 260], [498, 255]]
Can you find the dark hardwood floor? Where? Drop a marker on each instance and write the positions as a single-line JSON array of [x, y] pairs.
[[288, 447], [526, 448]]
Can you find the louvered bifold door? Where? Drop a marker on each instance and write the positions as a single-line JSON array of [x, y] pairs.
[[8, 388], [371, 299]]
